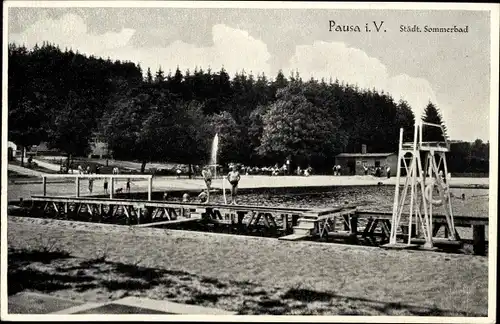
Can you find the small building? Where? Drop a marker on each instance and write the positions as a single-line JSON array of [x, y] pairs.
[[42, 149], [353, 163], [12, 151]]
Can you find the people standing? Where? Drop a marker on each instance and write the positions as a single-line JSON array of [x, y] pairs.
[[91, 184], [207, 176], [365, 168], [234, 177], [128, 185], [388, 170], [106, 185]]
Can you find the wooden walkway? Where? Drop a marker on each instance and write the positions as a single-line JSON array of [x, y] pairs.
[[344, 222]]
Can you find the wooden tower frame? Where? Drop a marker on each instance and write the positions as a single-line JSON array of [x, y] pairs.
[[426, 173]]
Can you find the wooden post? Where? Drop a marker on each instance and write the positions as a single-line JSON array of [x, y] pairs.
[[111, 187], [44, 181], [285, 222], [346, 222], [354, 224], [479, 239], [77, 183], [150, 188]]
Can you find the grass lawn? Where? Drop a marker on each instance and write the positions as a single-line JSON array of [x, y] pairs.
[[12, 175], [249, 275]]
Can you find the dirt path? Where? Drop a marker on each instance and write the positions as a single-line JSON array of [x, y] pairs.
[[455, 284]]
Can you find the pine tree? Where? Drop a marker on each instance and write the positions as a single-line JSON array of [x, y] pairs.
[[160, 76], [149, 76], [433, 116]]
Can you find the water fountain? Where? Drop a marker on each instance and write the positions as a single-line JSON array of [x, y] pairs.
[[213, 155], [213, 162]]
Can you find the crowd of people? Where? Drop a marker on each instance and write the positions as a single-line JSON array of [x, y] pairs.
[[275, 170]]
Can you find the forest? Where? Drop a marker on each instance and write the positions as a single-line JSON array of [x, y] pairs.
[[66, 98]]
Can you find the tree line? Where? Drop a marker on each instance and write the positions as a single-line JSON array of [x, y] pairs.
[[64, 98]]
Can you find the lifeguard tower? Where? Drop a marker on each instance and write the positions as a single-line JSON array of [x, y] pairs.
[[427, 186]]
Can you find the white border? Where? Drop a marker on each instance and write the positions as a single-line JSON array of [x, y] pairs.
[[493, 181]]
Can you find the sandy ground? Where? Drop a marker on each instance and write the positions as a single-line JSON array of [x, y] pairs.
[[341, 279]]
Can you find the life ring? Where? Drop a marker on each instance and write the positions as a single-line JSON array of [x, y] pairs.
[[442, 193]]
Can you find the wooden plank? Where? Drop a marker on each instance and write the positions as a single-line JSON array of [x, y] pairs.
[[479, 239], [271, 220], [374, 226], [251, 220], [284, 221], [386, 229], [346, 222], [176, 221], [459, 220], [166, 213], [173, 204], [241, 216], [89, 210], [367, 227], [55, 207], [342, 234], [126, 211], [293, 237], [354, 224]]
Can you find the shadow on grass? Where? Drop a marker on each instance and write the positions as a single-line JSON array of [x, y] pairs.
[[306, 295], [138, 272], [32, 279], [248, 297], [204, 298], [214, 282], [386, 308], [265, 306], [128, 284], [21, 257]]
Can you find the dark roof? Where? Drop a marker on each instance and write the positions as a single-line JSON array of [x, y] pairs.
[[365, 155]]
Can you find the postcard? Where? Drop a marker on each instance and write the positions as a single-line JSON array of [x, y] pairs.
[[249, 161]]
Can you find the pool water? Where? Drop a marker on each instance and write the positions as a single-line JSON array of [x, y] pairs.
[[373, 198]]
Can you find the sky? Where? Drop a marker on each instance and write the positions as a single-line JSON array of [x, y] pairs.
[[452, 70]]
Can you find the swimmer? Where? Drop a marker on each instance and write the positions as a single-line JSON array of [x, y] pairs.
[[207, 176], [234, 177], [203, 197]]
